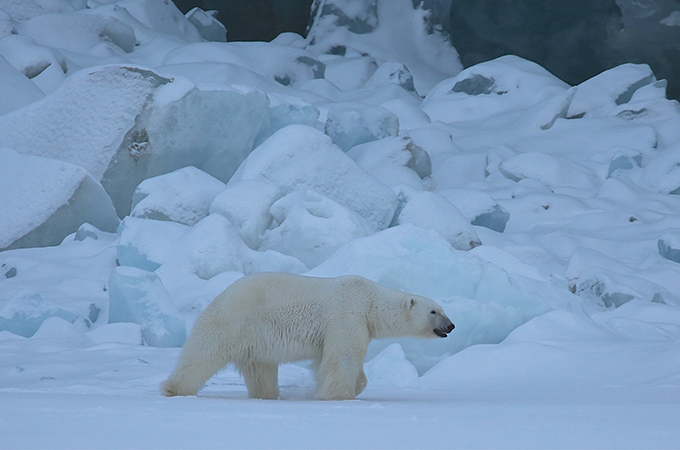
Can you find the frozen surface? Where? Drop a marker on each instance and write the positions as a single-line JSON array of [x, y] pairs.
[[213, 155]]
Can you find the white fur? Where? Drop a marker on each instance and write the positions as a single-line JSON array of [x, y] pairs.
[[267, 319]]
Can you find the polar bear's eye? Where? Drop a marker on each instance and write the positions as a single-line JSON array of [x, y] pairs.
[[433, 312]]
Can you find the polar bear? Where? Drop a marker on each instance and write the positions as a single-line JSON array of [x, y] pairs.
[[267, 319]]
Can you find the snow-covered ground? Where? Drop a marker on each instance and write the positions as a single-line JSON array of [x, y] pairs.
[[145, 165]]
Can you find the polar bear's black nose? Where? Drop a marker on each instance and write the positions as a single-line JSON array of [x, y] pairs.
[[450, 328]]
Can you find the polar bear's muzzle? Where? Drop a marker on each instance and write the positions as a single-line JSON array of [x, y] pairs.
[[443, 330]]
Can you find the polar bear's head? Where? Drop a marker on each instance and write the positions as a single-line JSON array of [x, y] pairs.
[[428, 318]]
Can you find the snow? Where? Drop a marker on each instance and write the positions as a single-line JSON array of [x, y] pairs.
[[69, 197], [183, 196], [146, 165], [352, 124]]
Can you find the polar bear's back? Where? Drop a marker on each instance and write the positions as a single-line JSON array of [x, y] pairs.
[[287, 314]]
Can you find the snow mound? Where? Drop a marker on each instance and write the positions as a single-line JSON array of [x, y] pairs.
[[44, 200], [246, 204], [299, 157], [15, 89], [393, 161], [430, 210], [183, 196], [310, 227], [354, 123], [44, 66], [484, 90], [602, 93]]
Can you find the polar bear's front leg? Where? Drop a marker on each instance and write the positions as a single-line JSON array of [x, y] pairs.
[[341, 370], [262, 379]]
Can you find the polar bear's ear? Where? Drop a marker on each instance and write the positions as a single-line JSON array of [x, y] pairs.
[[412, 303]]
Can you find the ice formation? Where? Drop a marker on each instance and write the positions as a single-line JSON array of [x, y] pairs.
[[139, 297], [183, 196], [44, 200], [300, 157], [352, 124], [24, 313]]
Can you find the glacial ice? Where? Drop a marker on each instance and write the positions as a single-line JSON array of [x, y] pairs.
[[300, 157], [44, 200], [138, 296], [183, 196], [24, 313], [495, 220], [310, 227], [352, 124]]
